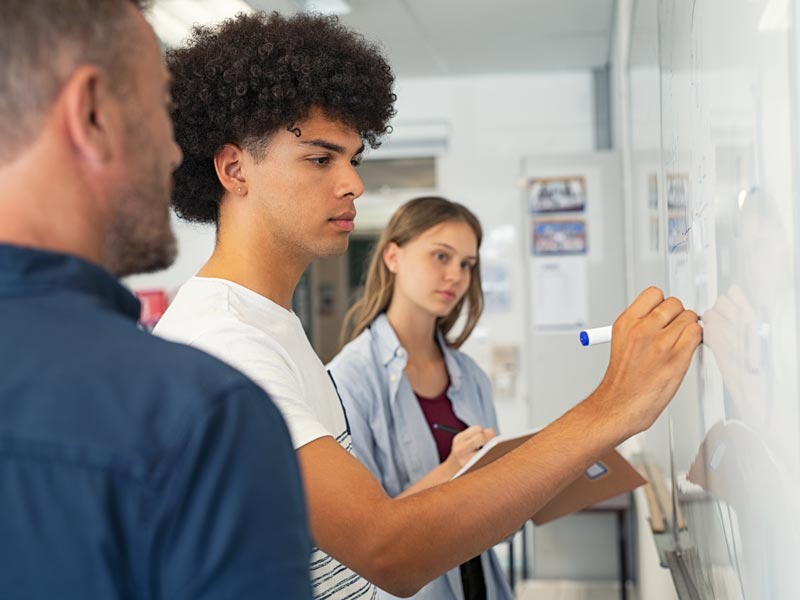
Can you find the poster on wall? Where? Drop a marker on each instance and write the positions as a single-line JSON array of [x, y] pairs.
[[153, 305], [559, 247], [559, 236], [677, 216], [677, 191], [556, 194], [560, 292]]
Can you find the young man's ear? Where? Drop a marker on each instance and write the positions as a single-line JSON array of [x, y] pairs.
[[228, 164], [92, 114], [390, 256]]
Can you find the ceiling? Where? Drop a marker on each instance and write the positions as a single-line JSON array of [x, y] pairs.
[[431, 38]]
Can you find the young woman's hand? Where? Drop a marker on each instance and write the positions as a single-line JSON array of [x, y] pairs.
[[468, 442]]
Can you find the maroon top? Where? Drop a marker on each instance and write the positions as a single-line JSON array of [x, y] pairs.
[[440, 410]]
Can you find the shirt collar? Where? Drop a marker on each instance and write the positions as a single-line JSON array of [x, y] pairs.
[[389, 346], [390, 349], [25, 270]]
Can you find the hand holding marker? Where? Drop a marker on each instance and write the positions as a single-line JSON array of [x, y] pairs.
[[601, 335]]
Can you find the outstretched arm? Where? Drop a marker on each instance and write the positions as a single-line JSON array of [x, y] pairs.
[[402, 544]]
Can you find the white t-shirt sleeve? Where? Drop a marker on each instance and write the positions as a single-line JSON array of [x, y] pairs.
[[263, 360]]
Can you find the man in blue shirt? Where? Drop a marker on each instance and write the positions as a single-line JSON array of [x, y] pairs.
[[130, 467]]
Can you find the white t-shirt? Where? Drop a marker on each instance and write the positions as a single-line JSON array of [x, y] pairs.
[[268, 344]]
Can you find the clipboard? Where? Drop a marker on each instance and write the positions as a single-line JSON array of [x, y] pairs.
[[609, 476]]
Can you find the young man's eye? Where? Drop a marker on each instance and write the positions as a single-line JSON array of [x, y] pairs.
[[320, 160], [356, 162]]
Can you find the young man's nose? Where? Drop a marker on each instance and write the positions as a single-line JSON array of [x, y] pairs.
[[350, 184]]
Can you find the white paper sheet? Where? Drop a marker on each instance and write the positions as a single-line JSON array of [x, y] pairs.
[[559, 292]]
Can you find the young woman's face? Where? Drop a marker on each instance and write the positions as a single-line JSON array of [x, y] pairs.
[[433, 271]]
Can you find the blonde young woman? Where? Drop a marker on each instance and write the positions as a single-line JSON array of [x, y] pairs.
[[418, 408]]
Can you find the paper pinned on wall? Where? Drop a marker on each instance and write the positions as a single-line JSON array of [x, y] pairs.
[[560, 292], [496, 284]]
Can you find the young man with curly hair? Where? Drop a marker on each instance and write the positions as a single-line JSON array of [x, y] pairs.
[[130, 467], [272, 114]]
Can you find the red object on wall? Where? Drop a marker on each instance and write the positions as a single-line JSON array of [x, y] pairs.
[[154, 304]]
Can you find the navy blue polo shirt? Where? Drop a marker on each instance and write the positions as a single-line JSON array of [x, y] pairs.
[[133, 467]]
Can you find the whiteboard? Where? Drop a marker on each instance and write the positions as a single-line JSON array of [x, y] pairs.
[[714, 168]]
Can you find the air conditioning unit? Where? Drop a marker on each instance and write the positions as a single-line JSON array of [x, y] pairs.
[[414, 139]]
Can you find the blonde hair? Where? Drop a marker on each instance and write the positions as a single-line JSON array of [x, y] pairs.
[[409, 221]]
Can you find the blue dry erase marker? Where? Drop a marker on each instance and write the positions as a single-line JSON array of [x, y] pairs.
[[602, 335], [598, 335]]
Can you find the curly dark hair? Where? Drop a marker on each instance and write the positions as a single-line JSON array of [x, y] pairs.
[[247, 77]]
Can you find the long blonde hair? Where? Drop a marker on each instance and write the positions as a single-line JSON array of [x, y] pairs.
[[410, 220]]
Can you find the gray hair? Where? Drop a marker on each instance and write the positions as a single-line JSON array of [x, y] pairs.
[[41, 43]]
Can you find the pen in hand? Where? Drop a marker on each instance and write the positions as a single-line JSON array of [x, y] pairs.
[[447, 428]]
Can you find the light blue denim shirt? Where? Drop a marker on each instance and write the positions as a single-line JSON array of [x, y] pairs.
[[391, 436]]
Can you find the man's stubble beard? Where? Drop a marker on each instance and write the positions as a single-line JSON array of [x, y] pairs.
[[140, 237]]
